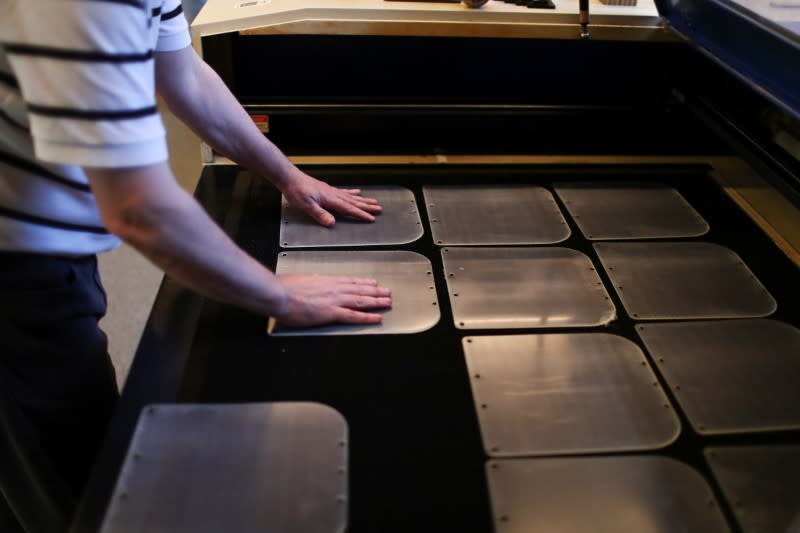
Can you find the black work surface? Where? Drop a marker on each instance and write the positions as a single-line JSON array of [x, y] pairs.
[[416, 459]]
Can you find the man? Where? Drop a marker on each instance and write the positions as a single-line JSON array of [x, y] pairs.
[[83, 161]]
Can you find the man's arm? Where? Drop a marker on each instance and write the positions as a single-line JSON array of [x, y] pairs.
[[197, 96], [148, 210]]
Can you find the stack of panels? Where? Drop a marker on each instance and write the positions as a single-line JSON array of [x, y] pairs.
[[493, 286], [415, 306], [509, 264], [733, 376], [554, 393]]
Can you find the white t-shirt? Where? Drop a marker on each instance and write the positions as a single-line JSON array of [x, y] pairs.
[[77, 88]]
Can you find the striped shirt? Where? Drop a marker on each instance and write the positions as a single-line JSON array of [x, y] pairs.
[[77, 88]]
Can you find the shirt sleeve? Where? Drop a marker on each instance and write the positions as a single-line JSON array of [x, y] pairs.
[[173, 33], [86, 73]]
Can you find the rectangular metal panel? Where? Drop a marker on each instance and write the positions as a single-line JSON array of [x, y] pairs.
[[761, 484], [279, 467], [550, 287], [415, 306], [494, 214], [681, 280], [398, 223], [730, 376], [630, 210], [601, 495], [560, 394]]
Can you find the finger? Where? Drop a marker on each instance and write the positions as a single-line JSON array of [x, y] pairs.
[[367, 204], [356, 301], [369, 208], [368, 284], [350, 210], [320, 216], [349, 316], [356, 195], [361, 200], [358, 281], [344, 280], [366, 290]]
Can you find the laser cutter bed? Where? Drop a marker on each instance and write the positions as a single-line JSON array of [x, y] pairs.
[[596, 324]]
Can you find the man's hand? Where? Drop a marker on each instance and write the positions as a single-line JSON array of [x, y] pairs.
[[317, 300], [316, 198]]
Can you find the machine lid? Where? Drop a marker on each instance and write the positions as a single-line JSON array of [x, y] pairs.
[[758, 40]]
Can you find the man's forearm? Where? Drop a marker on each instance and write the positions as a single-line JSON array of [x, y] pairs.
[[176, 234], [198, 97]]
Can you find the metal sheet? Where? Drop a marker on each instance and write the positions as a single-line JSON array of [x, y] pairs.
[[279, 467], [398, 223], [494, 214], [415, 306], [497, 288], [761, 484], [630, 210], [600, 495], [730, 376], [682, 280], [562, 394]]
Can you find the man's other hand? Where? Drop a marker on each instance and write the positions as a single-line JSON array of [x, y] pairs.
[[317, 300], [318, 200]]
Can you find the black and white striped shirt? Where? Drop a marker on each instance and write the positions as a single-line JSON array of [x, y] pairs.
[[77, 89]]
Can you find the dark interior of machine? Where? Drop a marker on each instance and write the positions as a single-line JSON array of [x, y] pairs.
[[331, 94]]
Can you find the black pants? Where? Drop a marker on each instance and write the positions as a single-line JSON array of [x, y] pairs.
[[57, 384]]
